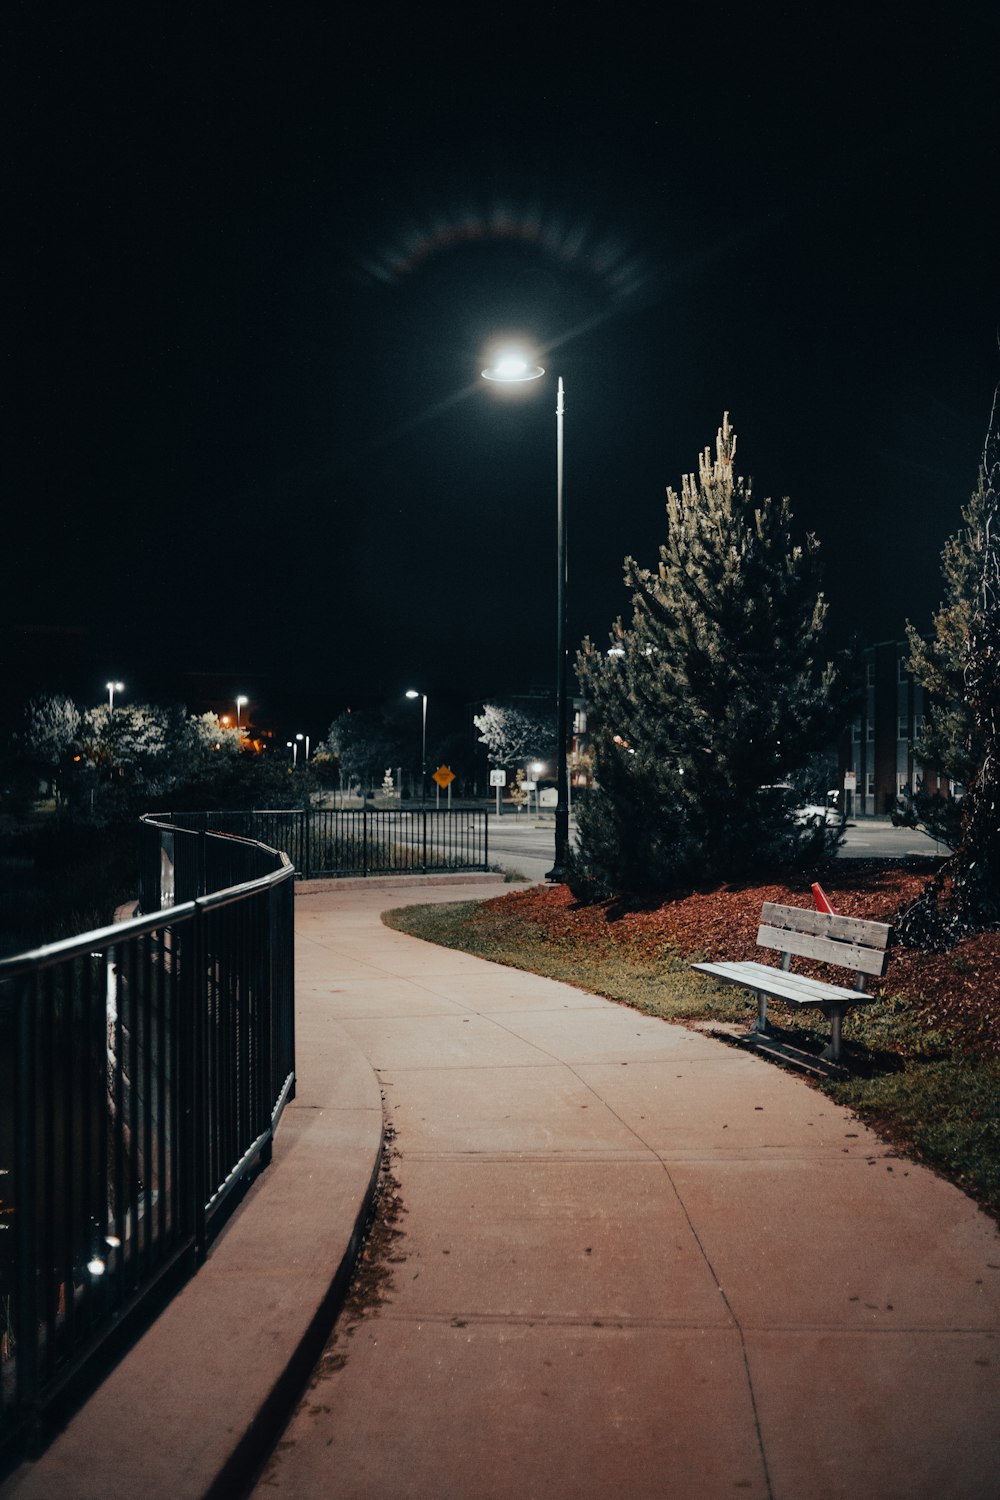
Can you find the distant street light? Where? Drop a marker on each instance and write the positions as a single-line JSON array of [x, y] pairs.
[[412, 693], [113, 688], [240, 701], [293, 747], [306, 738], [512, 368]]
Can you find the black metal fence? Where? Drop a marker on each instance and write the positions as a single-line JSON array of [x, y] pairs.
[[143, 1070], [328, 842]]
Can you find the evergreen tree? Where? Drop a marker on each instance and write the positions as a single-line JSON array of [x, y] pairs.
[[964, 727], [715, 693], [949, 740]]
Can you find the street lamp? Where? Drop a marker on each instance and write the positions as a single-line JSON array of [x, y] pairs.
[[412, 693], [306, 738], [293, 747], [240, 701], [512, 368], [113, 688]]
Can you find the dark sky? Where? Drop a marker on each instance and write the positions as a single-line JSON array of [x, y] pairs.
[[259, 261]]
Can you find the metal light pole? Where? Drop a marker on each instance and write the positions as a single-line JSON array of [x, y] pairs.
[[412, 693], [113, 688], [509, 369], [293, 747], [240, 701], [306, 738]]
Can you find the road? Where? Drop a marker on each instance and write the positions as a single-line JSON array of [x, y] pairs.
[[527, 847]]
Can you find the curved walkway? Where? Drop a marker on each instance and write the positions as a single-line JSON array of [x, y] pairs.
[[631, 1261], [626, 1260]]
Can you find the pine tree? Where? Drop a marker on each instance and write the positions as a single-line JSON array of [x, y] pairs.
[[714, 694], [949, 740], [964, 895]]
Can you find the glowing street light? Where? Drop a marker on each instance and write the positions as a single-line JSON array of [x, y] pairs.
[[512, 368], [240, 703], [306, 738], [412, 693], [113, 688], [293, 747]]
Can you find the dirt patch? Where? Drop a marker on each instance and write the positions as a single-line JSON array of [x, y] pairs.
[[372, 1281]]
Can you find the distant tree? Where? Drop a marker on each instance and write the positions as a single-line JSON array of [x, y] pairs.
[[718, 690], [211, 736], [364, 744], [325, 766], [221, 781], [50, 724], [512, 735], [138, 751], [963, 734]]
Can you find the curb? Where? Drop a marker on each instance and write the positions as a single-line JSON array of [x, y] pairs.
[[394, 882]]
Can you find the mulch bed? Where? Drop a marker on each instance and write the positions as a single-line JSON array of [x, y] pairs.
[[957, 991]]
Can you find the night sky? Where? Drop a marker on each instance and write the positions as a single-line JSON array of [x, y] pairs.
[[260, 259]]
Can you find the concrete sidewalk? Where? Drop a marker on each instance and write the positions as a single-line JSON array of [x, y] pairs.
[[633, 1262], [629, 1261]]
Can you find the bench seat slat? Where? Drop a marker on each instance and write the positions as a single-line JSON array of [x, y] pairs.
[[794, 989]]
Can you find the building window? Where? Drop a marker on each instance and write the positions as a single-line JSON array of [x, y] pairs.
[[871, 731], [856, 731], [870, 784], [903, 732]]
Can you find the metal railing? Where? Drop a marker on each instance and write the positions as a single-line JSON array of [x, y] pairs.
[[143, 1070], [329, 842]]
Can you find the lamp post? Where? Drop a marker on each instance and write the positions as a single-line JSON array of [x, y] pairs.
[[306, 738], [513, 369], [412, 693], [113, 688], [293, 747], [240, 701]]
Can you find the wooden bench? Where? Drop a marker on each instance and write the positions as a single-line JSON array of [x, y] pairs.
[[846, 941]]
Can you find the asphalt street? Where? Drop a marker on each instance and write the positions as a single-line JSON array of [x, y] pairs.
[[525, 847]]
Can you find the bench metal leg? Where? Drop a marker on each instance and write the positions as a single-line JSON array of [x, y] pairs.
[[761, 1025], [836, 1014]]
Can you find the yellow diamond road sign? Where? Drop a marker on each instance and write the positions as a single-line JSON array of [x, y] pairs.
[[443, 776]]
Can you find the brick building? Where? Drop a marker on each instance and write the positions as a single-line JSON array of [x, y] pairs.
[[880, 745]]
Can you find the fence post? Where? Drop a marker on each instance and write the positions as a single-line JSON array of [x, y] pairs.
[[306, 845], [197, 1007], [26, 1198], [425, 842], [486, 840], [364, 839]]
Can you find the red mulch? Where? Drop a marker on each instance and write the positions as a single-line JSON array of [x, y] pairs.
[[957, 991]]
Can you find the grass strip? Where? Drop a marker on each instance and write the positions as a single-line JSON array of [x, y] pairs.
[[915, 1087]]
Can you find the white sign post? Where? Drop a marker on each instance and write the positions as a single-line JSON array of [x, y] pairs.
[[850, 786], [498, 779]]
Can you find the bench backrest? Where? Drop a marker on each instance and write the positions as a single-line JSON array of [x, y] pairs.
[[863, 946]]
